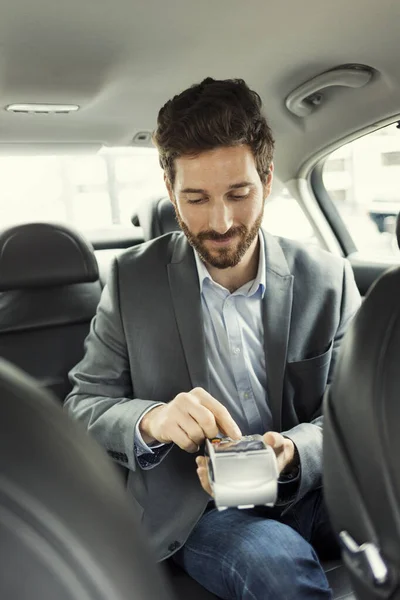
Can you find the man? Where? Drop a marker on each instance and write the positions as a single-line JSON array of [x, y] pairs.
[[221, 328]]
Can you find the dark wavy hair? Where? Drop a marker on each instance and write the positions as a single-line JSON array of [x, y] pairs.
[[209, 115]]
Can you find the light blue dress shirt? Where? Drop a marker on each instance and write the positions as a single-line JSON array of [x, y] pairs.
[[234, 337]]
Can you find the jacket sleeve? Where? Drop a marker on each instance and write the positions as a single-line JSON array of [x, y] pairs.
[[308, 436], [102, 397]]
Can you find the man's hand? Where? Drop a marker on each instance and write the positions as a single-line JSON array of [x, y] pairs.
[[187, 420], [202, 473], [283, 448]]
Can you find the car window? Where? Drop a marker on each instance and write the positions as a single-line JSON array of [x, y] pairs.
[[363, 179], [89, 192], [284, 216]]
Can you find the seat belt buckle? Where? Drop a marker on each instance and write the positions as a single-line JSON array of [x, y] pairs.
[[365, 559]]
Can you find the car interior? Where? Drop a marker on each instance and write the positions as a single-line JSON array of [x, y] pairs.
[[81, 84]]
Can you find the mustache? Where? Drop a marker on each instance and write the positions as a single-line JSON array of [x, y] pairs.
[[220, 237]]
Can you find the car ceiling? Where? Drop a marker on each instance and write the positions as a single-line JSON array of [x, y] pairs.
[[121, 60]]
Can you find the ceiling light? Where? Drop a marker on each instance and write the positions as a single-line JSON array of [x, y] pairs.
[[42, 108]]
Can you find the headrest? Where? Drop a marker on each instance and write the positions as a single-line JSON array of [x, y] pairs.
[[44, 255], [65, 513], [156, 217], [398, 229]]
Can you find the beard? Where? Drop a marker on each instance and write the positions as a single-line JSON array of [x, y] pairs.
[[228, 256]]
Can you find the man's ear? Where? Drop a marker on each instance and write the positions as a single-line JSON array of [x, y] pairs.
[[268, 183], [169, 189]]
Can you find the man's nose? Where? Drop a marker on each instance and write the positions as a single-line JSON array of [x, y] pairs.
[[220, 218]]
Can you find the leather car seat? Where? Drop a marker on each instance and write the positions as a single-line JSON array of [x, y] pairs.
[[68, 531], [156, 217], [362, 443], [49, 291]]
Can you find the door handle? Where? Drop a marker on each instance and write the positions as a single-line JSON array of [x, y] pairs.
[[305, 99]]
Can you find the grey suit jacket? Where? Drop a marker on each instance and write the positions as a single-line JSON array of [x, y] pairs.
[[146, 345]]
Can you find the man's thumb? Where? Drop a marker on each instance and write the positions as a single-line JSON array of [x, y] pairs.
[[273, 439]]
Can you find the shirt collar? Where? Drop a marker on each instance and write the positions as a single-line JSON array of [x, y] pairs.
[[259, 281]]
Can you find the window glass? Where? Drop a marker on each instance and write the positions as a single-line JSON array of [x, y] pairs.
[[88, 192], [283, 216], [363, 180]]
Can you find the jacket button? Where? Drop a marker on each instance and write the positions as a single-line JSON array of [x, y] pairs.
[[174, 546]]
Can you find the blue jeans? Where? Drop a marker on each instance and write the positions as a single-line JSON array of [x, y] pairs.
[[262, 554]]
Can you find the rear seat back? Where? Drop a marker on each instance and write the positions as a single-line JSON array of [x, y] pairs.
[[156, 217], [49, 291]]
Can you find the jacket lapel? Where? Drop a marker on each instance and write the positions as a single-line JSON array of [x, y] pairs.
[[277, 308], [185, 293]]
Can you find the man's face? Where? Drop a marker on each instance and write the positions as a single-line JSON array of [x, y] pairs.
[[219, 203]]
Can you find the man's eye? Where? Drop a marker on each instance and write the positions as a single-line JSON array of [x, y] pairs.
[[196, 200], [237, 197]]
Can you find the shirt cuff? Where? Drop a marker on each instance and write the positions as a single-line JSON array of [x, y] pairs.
[[151, 460], [140, 445]]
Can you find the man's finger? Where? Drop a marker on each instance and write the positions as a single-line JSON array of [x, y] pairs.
[[192, 429], [224, 420], [202, 473], [204, 418], [275, 440], [181, 439]]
